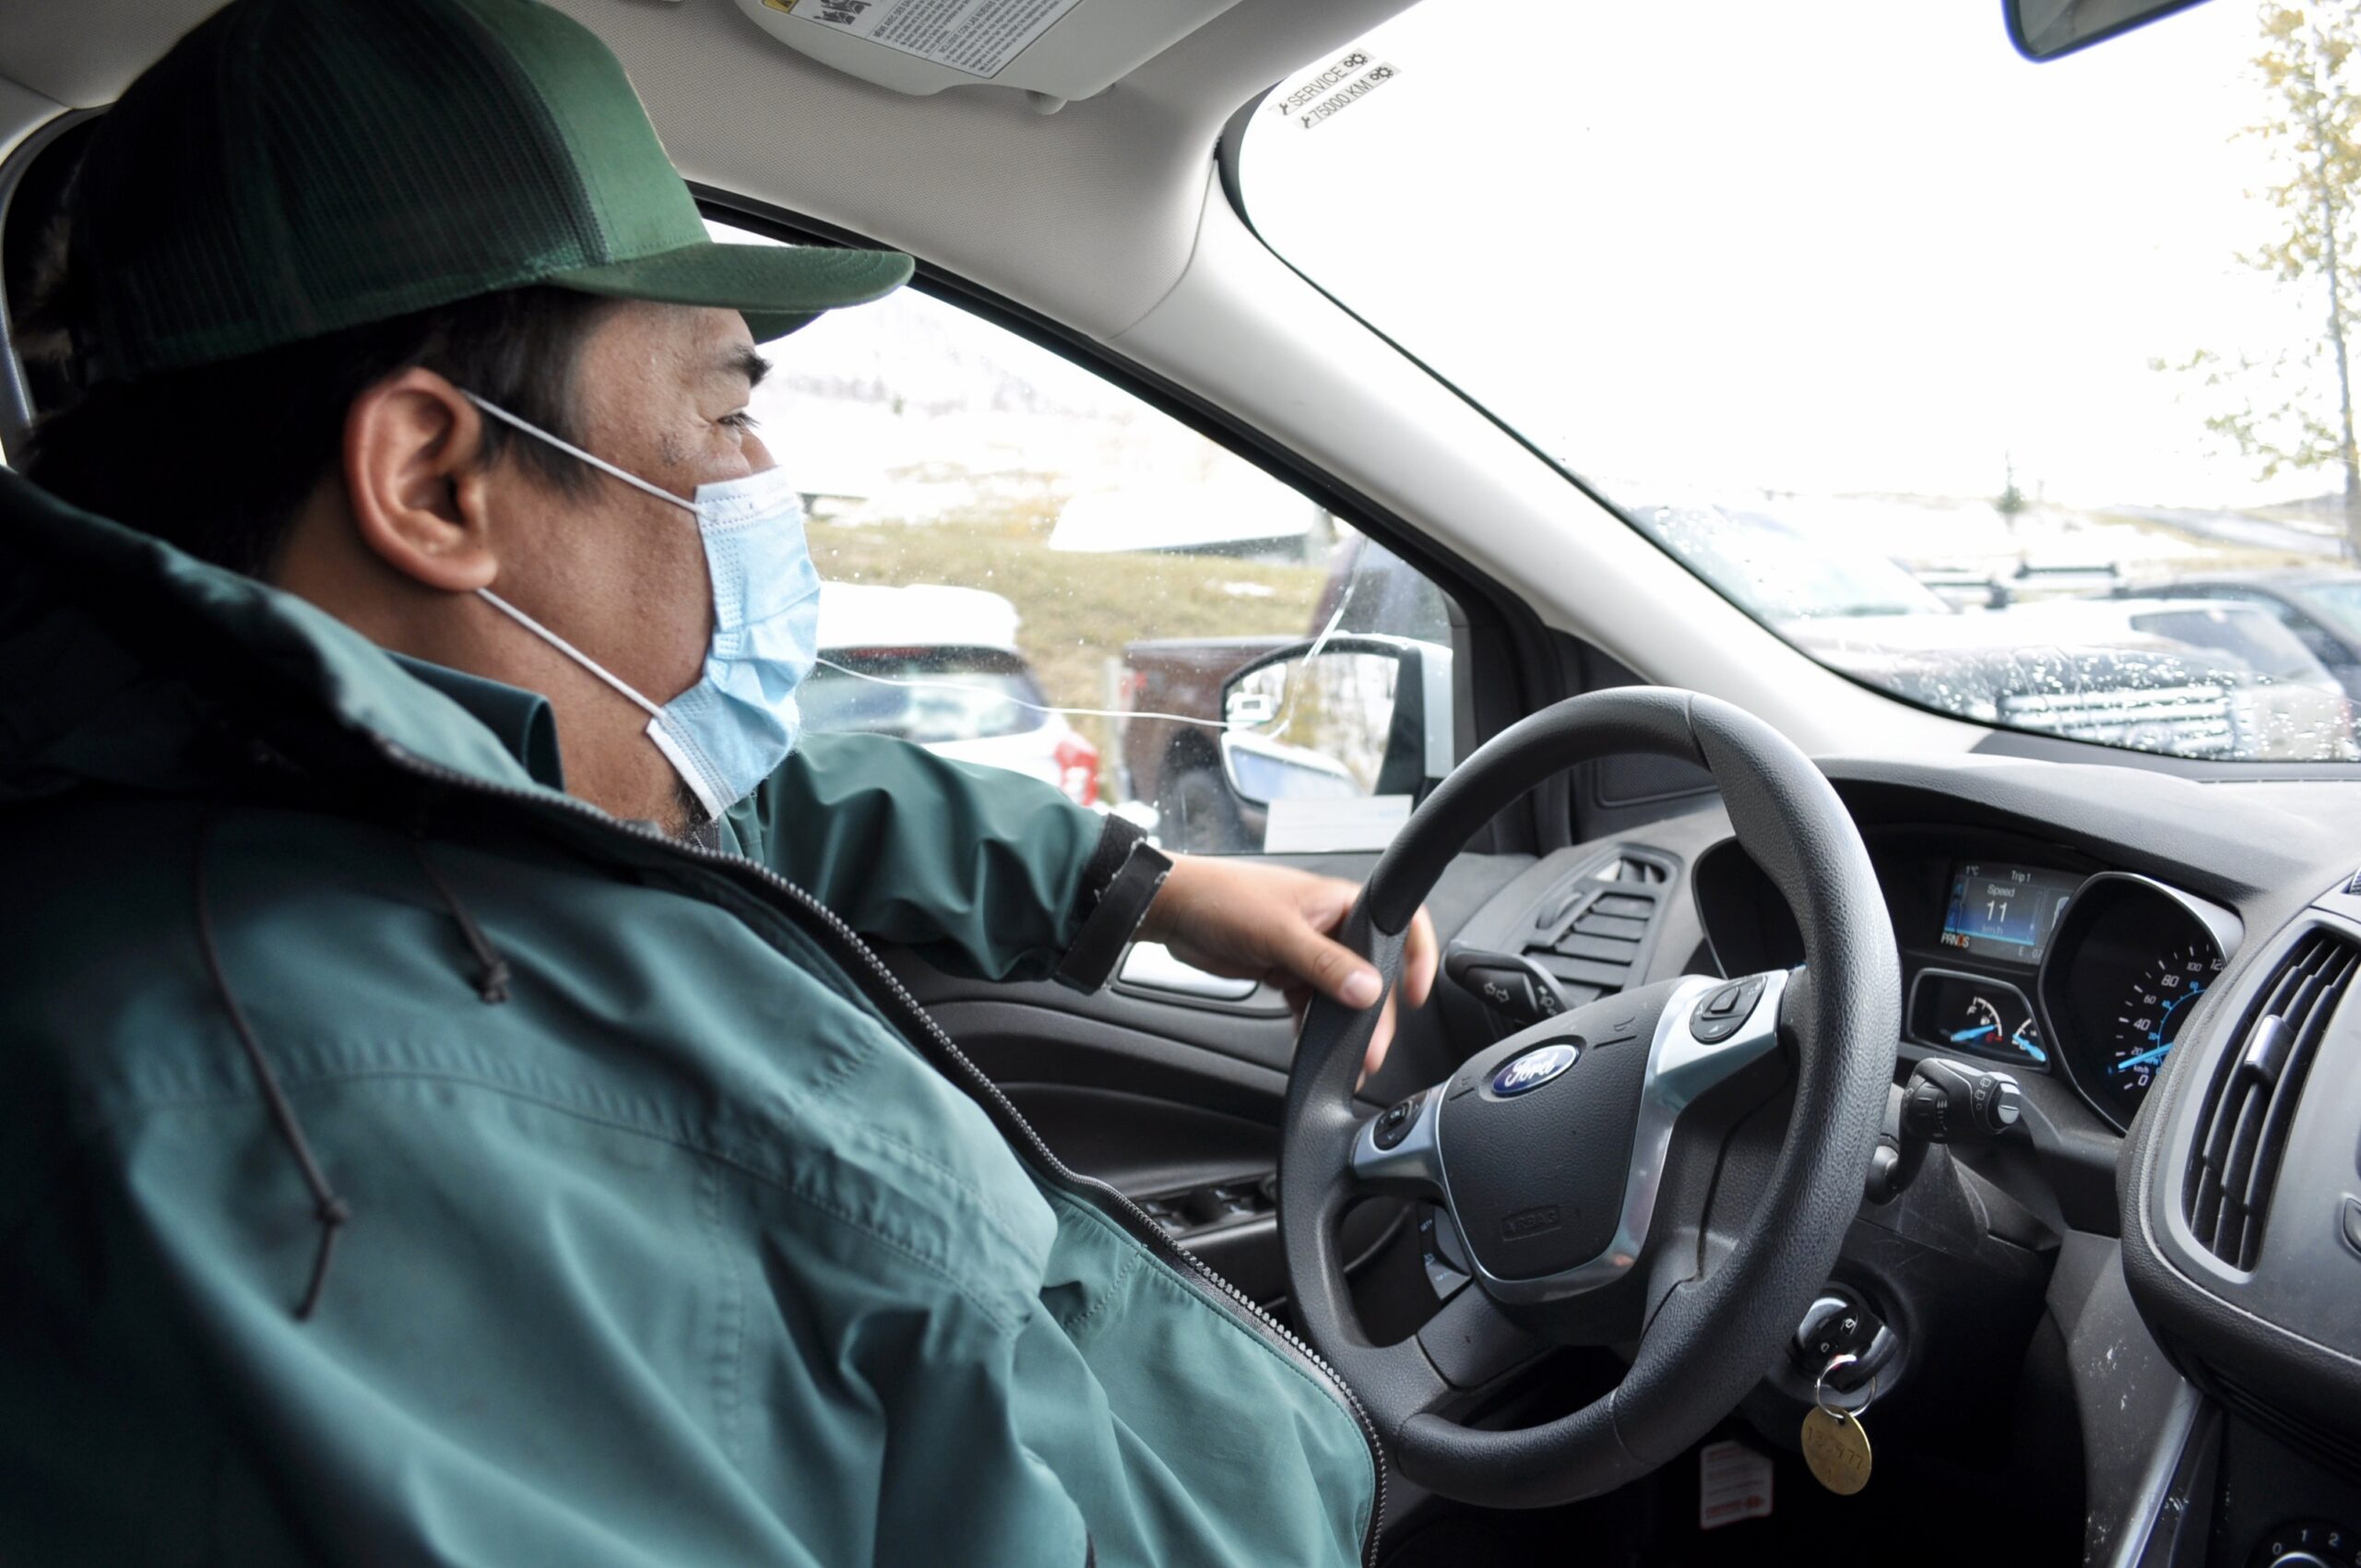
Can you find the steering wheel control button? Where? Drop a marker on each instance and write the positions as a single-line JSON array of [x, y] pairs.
[[1725, 1011], [1713, 1031], [1394, 1124], [1524, 1074]]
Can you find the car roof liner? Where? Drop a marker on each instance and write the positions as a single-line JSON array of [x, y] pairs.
[[1087, 216]]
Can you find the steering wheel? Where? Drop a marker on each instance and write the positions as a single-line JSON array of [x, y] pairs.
[[1591, 1162]]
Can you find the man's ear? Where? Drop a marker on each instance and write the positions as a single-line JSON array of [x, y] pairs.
[[420, 494]]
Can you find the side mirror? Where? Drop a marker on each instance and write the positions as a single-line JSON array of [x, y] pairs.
[[1340, 718], [2043, 30]]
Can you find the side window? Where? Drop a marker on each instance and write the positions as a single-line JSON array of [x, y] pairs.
[[2315, 639], [1027, 566]]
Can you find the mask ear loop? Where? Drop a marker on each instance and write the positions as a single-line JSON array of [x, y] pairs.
[[568, 649], [559, 643], [570, 449]]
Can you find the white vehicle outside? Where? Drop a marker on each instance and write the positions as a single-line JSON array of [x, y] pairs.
[[939, 666]]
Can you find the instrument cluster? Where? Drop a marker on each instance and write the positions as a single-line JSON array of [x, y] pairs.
[[2014, 950], [2089, 976]]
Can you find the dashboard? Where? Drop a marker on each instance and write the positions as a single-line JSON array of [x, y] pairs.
[[2163, 1254], [2029, 954], [2155, 1264]]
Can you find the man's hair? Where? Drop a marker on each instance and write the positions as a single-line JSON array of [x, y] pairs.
[[217, 458]]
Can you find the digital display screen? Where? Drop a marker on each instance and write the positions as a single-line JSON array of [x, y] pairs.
[[2005, 911]]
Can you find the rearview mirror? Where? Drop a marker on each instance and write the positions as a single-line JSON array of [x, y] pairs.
[[1346, 717], [2043, 30]]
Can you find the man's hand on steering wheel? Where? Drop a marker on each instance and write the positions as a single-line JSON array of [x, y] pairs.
[[1249, 920]]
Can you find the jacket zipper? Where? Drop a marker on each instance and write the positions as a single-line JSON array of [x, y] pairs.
[[932, 1038]]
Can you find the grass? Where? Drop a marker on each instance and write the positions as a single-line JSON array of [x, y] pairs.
[[1076, 611]]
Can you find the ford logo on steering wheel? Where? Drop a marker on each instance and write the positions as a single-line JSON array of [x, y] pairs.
[[1534, 1069]]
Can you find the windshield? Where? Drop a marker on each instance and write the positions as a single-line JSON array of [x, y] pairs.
[[1780, 573], [1938, 363]]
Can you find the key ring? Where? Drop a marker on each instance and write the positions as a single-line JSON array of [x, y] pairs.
[[1820, 1386]]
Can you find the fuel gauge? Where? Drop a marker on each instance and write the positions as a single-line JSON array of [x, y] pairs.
[[1971, 1014]]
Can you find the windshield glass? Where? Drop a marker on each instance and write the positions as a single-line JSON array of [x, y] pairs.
[[1964, 375]]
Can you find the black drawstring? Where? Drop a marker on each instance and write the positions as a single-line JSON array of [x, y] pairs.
[[492, 976], [332, 1212]]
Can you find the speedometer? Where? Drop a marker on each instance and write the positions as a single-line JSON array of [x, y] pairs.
[[2149, 1017], [2126, 972]]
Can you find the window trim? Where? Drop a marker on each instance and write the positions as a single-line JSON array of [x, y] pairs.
[[16, 391]]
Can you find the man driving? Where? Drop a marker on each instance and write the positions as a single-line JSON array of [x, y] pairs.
[[454, 1116]]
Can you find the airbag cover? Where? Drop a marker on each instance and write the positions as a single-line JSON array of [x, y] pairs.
[[1537, 1175]]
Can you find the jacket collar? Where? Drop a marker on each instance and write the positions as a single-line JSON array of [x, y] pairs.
[[521, 720], [119, 652]]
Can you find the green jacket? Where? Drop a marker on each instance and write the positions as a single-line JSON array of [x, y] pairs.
[[676, 1233]]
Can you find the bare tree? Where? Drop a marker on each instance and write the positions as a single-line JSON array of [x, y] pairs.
[[2295, 410]]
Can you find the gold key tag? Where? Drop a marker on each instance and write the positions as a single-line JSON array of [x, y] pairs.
[[1836, 1446]]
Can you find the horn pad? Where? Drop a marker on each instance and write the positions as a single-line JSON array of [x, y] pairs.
[[1537, 1148]]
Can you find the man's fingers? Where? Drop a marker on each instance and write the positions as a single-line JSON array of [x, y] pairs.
[[1378, 1044], [1419, 956], [1334, 969]]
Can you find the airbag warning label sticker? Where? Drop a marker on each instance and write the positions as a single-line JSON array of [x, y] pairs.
[[979, 37], [1733, 1483]]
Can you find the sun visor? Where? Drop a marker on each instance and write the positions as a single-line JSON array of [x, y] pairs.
[[1053, 50]]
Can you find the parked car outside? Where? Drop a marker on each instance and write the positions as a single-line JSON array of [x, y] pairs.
[[939, 666], [2321, 605], [2141, 674], [2147, 674]]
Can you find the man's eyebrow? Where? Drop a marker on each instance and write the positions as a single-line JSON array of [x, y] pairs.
[[745, 362]]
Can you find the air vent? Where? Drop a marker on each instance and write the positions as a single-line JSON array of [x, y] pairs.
[[2251, 1102], [2353, 886], [1593, 934]]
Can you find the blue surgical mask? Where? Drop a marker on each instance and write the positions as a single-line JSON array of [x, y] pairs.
[[732, 730]]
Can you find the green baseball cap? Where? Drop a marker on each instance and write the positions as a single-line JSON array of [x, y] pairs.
[[294, 167]]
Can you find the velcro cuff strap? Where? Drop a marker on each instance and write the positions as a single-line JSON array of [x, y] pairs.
[[1122, 905], [1115, 841]]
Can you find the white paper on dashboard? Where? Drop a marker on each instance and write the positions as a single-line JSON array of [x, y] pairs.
[[1322, 825]]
